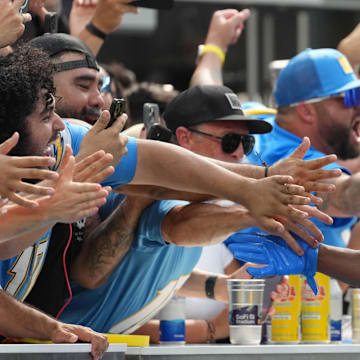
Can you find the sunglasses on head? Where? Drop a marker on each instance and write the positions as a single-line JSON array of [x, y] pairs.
[[106, 84], [230, 142], [351, 98]]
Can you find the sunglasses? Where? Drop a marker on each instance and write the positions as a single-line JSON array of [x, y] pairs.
[[230, 142], [351, 98]]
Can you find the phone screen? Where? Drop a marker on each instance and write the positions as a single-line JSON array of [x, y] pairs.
[[116, 109]]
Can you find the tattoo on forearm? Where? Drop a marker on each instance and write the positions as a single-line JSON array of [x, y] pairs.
[[112, 239]]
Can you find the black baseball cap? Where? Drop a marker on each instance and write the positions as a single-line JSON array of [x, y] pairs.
[[54, 44], [209, 103]]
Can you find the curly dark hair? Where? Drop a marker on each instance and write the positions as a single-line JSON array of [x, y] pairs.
[[23, 74]]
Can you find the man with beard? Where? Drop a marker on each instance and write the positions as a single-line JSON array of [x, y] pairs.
[[318, 96]]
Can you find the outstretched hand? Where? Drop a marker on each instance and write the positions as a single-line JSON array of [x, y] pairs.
[[16, 168], [307, 172], [268, 201]]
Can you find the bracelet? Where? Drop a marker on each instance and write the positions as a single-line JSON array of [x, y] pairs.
[[92, 29], [266, 171], [203, 49], [211, 329], [209, 286]]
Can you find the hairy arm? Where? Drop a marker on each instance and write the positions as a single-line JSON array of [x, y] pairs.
[[203, 224], [108, 244], [23, 321], [345, 200]]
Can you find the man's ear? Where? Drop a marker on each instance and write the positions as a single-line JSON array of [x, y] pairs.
[[306, 112], [184, 137]]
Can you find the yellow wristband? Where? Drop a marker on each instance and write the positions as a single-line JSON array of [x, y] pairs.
[[214, 49]]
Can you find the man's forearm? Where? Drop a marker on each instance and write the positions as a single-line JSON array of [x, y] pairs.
[[107, 245], [204, 224], [208, 71], [345, 200], [20, 320], [340, 263], [195, 285], [20, 227], [156, 158], [92, 41]]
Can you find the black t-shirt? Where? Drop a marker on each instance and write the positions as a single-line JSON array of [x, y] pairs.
[[51, 290]]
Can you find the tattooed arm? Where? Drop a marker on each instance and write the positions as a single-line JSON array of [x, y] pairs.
[[106, 246], [345, 200]]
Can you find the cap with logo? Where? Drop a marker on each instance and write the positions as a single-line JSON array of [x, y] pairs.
[[54, 44], [314, 73], [209, 103]]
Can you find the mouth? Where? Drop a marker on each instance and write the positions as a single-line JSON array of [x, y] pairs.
[[47, 150]]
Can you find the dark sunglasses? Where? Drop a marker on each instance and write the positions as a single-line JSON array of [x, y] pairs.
[[230, 142]]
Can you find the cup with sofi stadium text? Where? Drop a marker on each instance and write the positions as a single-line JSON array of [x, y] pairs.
[[245, 308]]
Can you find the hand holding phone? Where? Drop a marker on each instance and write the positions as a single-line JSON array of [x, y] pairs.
[[116, 109]]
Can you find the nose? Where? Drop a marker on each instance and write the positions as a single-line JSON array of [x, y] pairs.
[[238, 154], [96, 99], [58, 124]]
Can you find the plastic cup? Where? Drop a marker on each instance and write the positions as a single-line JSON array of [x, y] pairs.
[[245, 307]]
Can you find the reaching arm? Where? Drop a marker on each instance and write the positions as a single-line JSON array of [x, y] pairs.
[[108, 243], [224, 30], [340, 263], [203, 224], [345, 200], [20, 320], [21, 227]]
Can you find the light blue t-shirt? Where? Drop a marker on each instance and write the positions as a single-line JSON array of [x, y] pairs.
[[279, 144], [141, 284], [19, 273]]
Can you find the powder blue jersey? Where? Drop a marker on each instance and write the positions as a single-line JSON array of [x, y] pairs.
[[277, 145], [141, 284], [18, 274]]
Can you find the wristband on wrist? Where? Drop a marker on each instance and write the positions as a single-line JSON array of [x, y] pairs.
[[91, 28], [266, 171], [203, 49], [209, 286]]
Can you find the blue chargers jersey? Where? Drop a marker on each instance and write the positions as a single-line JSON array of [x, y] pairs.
[[19, 274], [142, 283]]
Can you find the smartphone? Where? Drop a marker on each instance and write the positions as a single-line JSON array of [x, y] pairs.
[[154, 4], [150, 115], [159, 132], [24, 7], [51, 23], [116, 109]]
